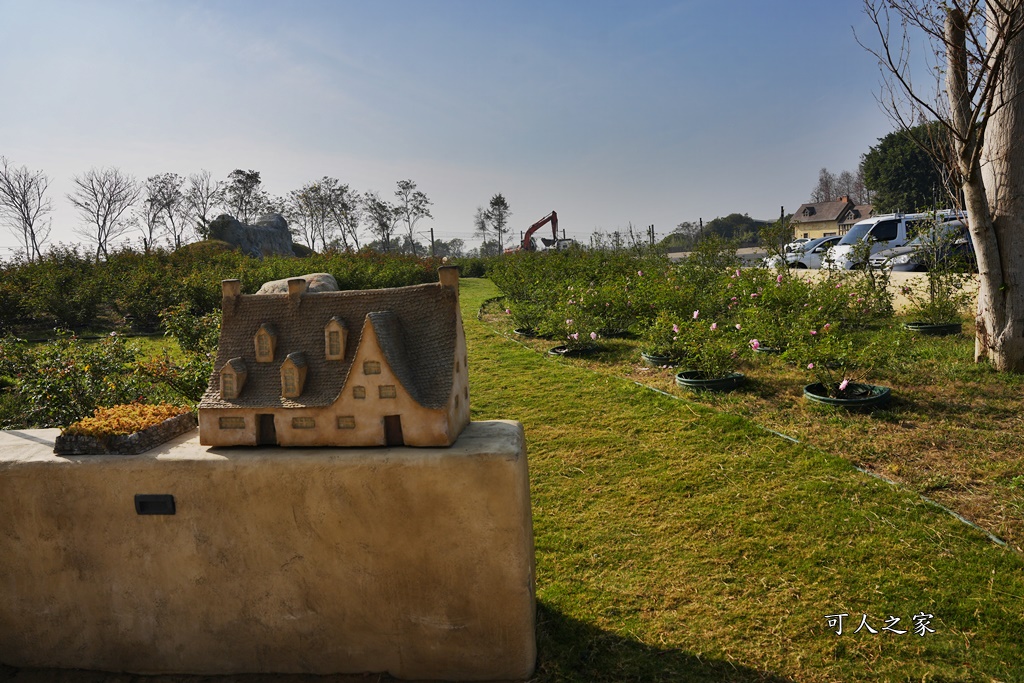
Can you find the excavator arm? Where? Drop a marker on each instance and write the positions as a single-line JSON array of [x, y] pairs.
[[552, 218]]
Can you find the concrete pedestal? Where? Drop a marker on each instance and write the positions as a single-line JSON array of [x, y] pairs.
[[417, 562]]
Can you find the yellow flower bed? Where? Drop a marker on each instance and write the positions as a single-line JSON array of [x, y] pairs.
[[124, 419]]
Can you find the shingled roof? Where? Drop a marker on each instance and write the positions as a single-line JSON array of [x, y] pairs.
[[821, 211], [416, 328]]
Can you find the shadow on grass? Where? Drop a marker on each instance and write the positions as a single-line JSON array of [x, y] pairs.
[[571, 650]]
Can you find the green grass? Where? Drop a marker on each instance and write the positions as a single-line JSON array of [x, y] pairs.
[[676, 542]]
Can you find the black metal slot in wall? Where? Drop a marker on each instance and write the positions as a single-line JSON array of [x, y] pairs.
[[154, 504]]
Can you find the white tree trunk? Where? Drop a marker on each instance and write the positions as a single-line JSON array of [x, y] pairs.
[[1000, 315]]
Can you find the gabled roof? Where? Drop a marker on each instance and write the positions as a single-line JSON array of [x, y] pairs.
[[416, 328], [821, 211], [858, 213]]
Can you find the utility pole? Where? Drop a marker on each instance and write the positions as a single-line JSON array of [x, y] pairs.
[[431, 242]]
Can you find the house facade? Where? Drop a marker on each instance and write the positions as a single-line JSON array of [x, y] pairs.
[[383, 367], [824, 219]]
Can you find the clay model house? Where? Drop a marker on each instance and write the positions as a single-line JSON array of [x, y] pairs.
[[379, 367]]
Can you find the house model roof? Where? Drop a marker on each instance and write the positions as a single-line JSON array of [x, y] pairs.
[[415, 327]]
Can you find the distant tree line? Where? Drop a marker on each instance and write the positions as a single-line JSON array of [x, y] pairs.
[[905, 171], [173, 210]]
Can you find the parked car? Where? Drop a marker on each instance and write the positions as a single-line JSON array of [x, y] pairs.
[[796, 244], [808, 254], [949, 243], [883, 232], [813, 254]]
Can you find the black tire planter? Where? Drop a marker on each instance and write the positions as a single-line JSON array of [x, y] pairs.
[[696, 381], [768, 350], [527, 332], [656, 361], [935, 329], [857, 396], [566, 352]]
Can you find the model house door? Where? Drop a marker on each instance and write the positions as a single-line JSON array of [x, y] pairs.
[[266, 434], [393, 430]]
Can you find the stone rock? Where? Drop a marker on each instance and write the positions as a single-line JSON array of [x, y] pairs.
[[269, 236], [315, 282]]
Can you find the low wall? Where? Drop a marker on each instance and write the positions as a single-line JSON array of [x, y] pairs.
[[896, 281], [416, 562]]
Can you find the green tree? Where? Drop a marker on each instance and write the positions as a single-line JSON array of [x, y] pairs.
[[244, 195], [902, 174]]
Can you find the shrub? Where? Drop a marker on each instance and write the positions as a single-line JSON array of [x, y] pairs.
[[64, 380]]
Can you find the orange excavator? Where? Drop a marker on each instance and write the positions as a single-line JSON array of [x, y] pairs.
[[527, 243]]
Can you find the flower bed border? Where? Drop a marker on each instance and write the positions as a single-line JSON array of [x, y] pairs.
[[125, 444]]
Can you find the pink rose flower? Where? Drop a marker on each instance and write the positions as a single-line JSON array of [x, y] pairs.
[[593, 335], [738, 326], [755, 344], [675, 328], [810, 366], [842, 385], [695, 314], [714, 326]]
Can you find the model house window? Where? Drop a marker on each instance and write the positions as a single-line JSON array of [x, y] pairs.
[[291, 381], [346, 422], [334, 339], [358, 392], [232, 423], [232, 379], [266, 339], [371, 367], [387, 391], [303, 423]]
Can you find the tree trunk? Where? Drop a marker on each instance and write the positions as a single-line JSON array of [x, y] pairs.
[[1000, 315]]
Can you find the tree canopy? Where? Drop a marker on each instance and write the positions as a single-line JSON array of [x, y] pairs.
[[900, 172]]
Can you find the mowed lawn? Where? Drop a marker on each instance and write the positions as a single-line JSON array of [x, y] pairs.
[[678, 543]]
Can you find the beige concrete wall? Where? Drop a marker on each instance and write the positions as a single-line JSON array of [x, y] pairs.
[[897, 281], [417, 562]]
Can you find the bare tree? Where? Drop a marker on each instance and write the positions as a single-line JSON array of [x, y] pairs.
[[103, 197], [977, 101], [24, 206], [309, 209], [347, 213], [383, 217], [164, 193], [149, 217], [202, 196], [825, 190], [411, 207], [481, 225]]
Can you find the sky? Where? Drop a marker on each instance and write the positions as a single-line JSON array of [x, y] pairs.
[[609, 112]]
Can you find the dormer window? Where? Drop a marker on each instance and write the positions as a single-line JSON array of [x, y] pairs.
[[266, 343], [334, 339], [232, 379], [293, 374]]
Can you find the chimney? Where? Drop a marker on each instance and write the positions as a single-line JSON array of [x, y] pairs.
[[449, 277], [845, 199], [231, 290], [296, 287]]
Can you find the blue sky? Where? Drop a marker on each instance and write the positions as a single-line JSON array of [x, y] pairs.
[[609, 112]]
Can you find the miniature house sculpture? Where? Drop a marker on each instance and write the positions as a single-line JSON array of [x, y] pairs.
[[381, 367]]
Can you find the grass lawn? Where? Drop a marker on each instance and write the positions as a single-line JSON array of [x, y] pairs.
[[678, 540]]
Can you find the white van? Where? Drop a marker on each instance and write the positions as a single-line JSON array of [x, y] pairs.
[[884, 232]]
